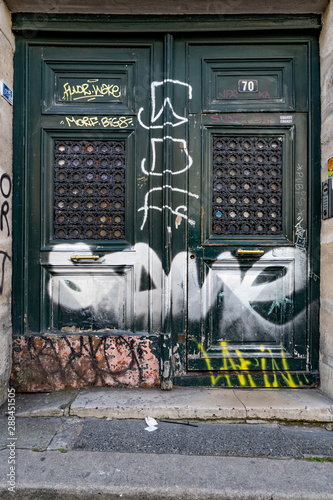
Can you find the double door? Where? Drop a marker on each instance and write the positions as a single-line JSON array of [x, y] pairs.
[[167, 185]]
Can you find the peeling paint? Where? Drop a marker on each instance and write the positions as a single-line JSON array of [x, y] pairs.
[[166, 369], [52, 363], [179, 354]]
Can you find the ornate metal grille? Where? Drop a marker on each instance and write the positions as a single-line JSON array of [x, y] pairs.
[[89, 190], [247, 186]]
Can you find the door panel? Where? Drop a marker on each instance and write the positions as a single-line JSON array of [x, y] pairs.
[[247, 267], [87, 248], [279, 70], [166, 194], [91, 299], [90, 80]]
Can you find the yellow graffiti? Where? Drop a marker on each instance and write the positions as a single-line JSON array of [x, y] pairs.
[[113, 121], [105, 121], [89, 90], [241, 368]]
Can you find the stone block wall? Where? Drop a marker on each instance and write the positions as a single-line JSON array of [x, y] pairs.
[[326, 291], [7, 46]]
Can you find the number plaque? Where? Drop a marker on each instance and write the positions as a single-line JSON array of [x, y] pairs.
[[247, 85]]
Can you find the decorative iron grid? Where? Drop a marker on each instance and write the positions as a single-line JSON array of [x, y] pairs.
[[247, 186], [89, 190]]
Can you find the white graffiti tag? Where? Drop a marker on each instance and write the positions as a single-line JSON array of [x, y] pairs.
[[175, 211], [183, 146], [167, 102], [300, 233], [177, 120]]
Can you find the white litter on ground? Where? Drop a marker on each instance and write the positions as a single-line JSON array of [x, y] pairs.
[[152, 424]]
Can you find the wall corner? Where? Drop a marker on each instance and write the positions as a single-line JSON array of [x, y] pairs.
[[7, 47]]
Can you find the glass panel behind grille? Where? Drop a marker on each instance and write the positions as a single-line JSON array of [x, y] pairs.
[[89, 190], [247, 186]]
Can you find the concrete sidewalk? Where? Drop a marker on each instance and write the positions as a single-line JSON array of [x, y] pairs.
[[90, 475], [242, 445]]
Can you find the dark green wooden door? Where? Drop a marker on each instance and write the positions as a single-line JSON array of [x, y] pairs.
[[248, 244], [168, 191], [88, 266]]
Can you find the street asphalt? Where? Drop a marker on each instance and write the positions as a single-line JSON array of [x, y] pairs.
[[84, 458]]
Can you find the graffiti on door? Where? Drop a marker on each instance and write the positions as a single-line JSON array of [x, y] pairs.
[[170, 297], [275, 371], [180, 148], [78, 359]]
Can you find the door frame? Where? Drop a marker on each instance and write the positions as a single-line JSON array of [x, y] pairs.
[[30, 29]]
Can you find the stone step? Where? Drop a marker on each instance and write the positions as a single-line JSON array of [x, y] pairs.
[[292, 405]]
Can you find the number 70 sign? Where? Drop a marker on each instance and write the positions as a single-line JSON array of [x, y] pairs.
[[247, 85]]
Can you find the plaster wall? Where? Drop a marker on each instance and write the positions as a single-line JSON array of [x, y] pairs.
[[6, 74], [326, 292]]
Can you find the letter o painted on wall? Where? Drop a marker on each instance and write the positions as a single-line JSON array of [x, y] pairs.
[[5, 187]]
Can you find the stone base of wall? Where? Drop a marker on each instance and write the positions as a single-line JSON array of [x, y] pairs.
[[49, 363], [326, 379]]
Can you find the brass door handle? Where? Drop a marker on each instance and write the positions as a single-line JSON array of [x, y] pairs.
[[240, 251], [75, 258]]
